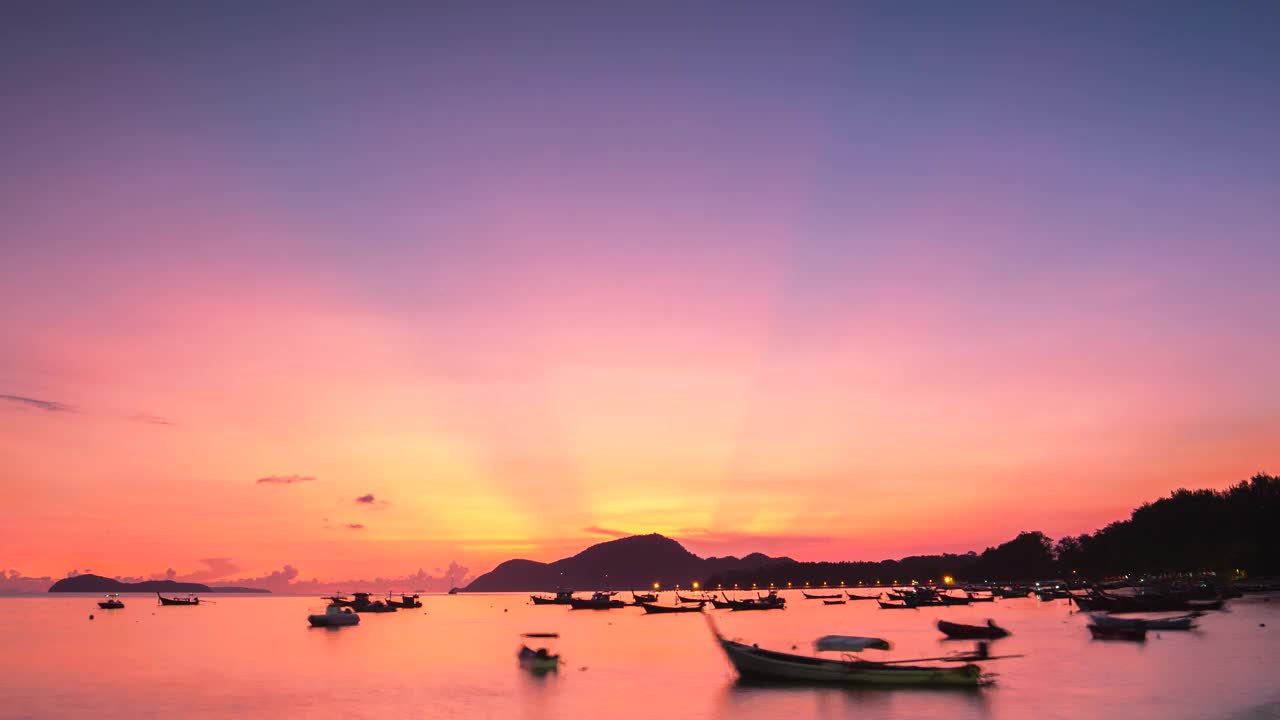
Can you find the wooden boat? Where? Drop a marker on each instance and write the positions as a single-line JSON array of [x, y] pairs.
[[362, 604], [540, 660], [334, 616], [819, 596], [755, 663], [1107, 602], [597, 601], [895, 605], [639, 598], [1137, 634], [861, 597], [688, 599], [188, 600], [1182, 622], [405, 601], [562, 597], [840, 601], [959, 631], [656, 609], [981, 598], [1010, 593], [946, 599]]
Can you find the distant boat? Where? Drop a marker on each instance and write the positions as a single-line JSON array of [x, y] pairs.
[[453, 591], [362, 604], [112, 602], [981, 598], [188, 600], [597, 601], [542, 659], [1100, 632], [755, 663], [1182, 622], [839, 601], [405, 601], [772, 601], [562, 597], [655, 609], [819, 596], [896, 605], [861, 597], [334, 616], [641, 598], [946, 599], [959, 631], [689, 599]]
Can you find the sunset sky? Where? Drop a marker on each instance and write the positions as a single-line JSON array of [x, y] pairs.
[[835, 281]]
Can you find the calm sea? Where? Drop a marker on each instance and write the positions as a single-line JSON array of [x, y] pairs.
[[255, 657]]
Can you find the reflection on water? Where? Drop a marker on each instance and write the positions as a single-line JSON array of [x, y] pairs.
[[255, 657]]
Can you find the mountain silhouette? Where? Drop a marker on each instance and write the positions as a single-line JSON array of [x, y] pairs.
[[631, 562], [98, 584]]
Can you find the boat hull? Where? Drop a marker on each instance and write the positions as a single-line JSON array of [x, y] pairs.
[[669, 609], [331, 620], [754, 664], [971, 632], [1133, 634]]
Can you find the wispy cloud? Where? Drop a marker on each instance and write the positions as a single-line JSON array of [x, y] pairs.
[[283, 479], [45, 405], [149, 419], [597, 530], [369, 499], [355, 526]]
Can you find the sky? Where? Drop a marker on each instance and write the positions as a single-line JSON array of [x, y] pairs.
[[347, 289]]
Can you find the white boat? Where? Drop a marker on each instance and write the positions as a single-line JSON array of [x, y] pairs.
[[334, 616], [112, 602]]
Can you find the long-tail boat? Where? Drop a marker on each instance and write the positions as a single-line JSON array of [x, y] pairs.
[[819, 596], [960, 631], [188, 600], [656, 609], [758, 664]]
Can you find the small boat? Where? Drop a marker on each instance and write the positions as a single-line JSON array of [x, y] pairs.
[[334, 616], [542, 659], [597, 601], [772, 601], [981, 598], [895, 605], [1010, 593], [861, 597], [112, 602], [1181, 622], [1101, 632], [562, 597], [405, 601], [959, 631], [453, 590], [641, 598], [362, 604], [688, 599], [819, 596], [655, 609], [840, 601], [755, 663], [188, 600], [946, 599]]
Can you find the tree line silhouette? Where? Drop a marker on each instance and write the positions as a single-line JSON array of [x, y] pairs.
[[1230, 531]]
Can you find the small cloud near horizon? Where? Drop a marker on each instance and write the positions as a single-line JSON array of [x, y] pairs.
[[148, 419], [369, 499], [283, 479], [609, 532], [49, 406]]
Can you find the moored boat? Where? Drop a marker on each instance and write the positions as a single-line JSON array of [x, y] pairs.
[[960, 631], [538, 660], [839, 601], [405, 601], [113, 602], [597, 601], [1101, 632], [861, 597], [755, 663], [188, 600], [334, 616], [562, 597], [1181, 622], [819, 596], [640, 598], [895, 605], [656, 609]]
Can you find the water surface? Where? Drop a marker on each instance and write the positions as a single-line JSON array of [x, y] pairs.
[[255, 657]]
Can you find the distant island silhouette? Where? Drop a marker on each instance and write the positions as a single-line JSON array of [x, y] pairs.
[[631, 562], [1230, 532], [89, 582]]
